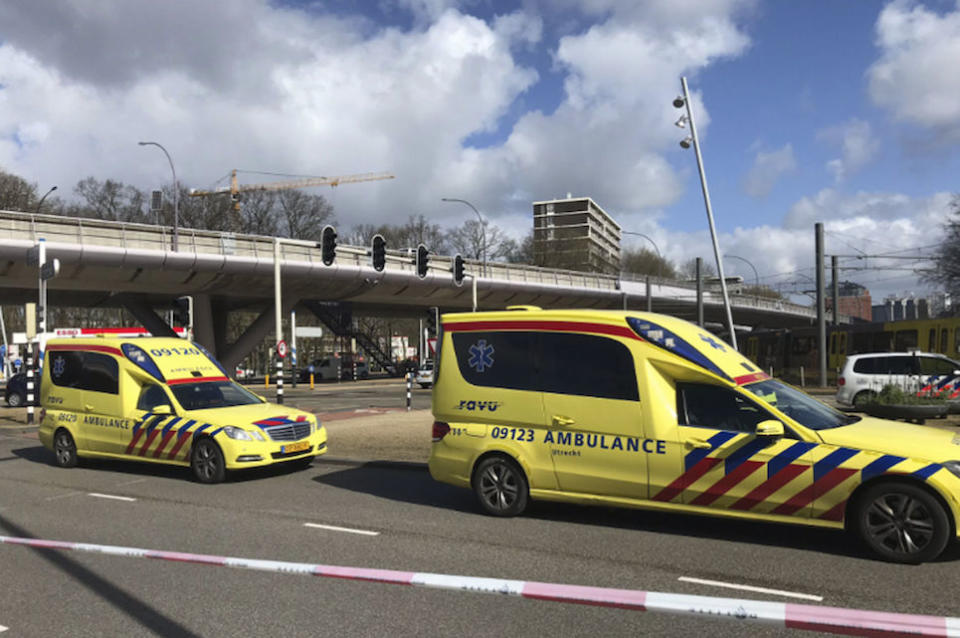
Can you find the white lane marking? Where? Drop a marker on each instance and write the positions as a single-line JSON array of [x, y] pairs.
[[53, 498], [112, 496], [2, 628], [759, 590], [334, 528]]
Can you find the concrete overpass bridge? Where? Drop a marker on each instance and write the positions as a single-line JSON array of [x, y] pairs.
[[133, 265]]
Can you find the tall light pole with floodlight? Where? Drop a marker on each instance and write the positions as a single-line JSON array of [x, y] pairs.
[[176, 194], [483, 228], [681, 102]]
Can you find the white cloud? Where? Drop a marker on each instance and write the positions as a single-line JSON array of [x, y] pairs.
[[858, 147], [254, 85], [768, 167], [871, 223], [914, 77]]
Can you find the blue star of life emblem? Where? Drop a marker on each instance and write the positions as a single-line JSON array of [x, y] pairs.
[[58, 365], [712, 342], [481, 356]]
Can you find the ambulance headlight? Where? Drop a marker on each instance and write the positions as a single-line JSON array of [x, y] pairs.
[[237, 433], [954, 467], [256, 434]]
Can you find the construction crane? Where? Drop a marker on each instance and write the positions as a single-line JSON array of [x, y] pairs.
[[236, 188]]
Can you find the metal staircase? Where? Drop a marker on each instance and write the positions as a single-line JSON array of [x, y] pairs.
[[338, 318]]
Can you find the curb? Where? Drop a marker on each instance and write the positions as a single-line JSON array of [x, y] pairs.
[[850, 622]]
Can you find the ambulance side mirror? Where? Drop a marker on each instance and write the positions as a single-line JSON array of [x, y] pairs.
[[770, 428]]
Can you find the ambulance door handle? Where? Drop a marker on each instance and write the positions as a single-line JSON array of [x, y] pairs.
[[88, 407], [694, 442], [562, 420]]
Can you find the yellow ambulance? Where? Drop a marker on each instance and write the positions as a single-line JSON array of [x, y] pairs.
[[649, 411], [163, 400]]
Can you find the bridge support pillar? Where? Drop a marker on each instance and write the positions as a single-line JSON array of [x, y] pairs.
[[253, 335], [141, 310], [203, 330]]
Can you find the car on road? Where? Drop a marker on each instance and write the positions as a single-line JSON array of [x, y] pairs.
[[332, 367], [15, 394], [164, 400], [649, 411], [924, 373], [425, 375]]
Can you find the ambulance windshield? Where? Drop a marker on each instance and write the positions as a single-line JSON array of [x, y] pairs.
[[798, 406], [212, 394]]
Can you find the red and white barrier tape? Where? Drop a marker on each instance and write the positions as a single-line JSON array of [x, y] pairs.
[[851, 622]]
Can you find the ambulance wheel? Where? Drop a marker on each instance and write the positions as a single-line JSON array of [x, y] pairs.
[[500, 486], [206, 461], [64, 449], [902, 523]]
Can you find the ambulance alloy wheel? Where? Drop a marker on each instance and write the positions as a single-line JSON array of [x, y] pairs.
[[902, 523], [206, 461], [64, 449], [501, 486]]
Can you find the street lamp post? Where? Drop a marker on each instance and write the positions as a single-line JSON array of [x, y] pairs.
[[40, 203], [659, 256], [483, 228], [681, 102], [756, 277], [176, 194]]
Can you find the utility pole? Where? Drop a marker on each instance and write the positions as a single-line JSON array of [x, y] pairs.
[[836, 290], [821, 310]]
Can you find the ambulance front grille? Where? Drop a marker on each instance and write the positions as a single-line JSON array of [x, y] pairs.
[[292, 432]]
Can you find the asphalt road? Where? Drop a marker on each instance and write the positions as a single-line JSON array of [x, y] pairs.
[[420, 526]]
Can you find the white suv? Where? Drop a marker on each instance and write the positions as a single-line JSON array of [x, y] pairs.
[[864, 375]]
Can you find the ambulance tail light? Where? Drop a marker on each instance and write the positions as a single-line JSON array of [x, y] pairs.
[[440, 430]]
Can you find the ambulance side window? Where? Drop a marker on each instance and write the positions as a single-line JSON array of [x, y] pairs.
[[101, 373], [713, 406], [587, 365], [151, 396], [66, 368], [497, 359]]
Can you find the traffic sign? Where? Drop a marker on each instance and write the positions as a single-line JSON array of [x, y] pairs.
[[281, 349], [50, 269]]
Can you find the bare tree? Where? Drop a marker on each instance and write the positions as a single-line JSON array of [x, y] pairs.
[[689, 269], [947, 273], [644, 261], [468, 240], [111, 200], [16, 193], [303, 216]]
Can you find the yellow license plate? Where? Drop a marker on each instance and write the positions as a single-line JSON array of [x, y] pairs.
[[295, 447]]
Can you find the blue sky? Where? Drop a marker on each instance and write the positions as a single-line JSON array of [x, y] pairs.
[[841, 112]]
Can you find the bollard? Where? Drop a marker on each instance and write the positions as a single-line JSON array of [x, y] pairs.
[[266, 381], [311, 381], [409, 388], [31, 397]]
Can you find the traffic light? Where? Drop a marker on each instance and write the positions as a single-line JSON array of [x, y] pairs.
[[328, 245], [423, 258], [182, 309], [457, 268], [433, 314], [379, 256]]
